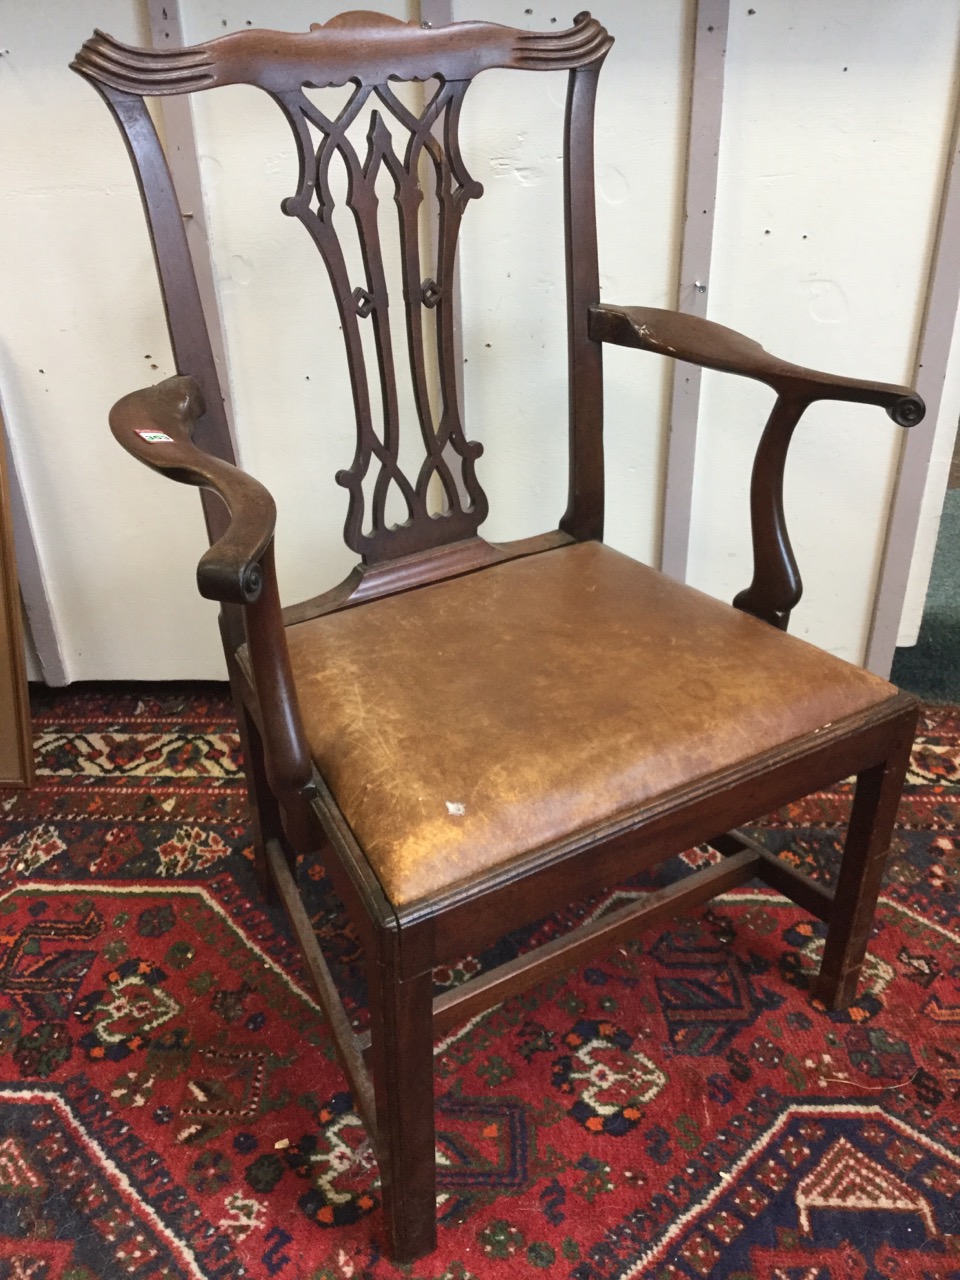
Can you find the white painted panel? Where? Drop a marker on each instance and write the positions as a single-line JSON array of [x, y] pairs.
[[278, 314], [513, 271], [834, 139], [291, 393], [81, 325]]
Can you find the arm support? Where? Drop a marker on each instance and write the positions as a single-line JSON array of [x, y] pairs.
[[156, 426], [776, 585]]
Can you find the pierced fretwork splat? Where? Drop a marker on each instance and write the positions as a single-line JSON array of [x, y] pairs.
[[368, 302]]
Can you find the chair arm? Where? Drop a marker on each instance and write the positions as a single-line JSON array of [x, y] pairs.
[[156, 426], [776, 586], [714, 346]]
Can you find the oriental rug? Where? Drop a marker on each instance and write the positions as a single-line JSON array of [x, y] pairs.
[[680, 1108]]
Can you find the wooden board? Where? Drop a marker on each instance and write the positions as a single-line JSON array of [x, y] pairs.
[[16, 739]]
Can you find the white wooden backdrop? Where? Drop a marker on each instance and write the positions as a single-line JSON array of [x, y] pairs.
[[834, 149]]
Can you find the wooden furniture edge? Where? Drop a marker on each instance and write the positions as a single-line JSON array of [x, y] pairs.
[[10, 604]]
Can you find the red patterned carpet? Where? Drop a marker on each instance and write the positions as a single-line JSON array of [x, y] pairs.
[[171, 1106]]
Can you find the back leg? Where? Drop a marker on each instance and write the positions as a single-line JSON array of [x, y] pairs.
[[264, 810]]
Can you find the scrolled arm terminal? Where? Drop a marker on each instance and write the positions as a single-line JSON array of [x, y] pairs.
[[907, 411], [155, 425]]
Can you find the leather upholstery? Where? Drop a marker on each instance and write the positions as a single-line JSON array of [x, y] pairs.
[[466, 722]]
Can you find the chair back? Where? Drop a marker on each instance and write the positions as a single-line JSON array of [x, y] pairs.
[[371, 146]]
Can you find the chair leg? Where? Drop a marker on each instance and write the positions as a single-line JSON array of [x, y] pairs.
[[264, 810], [861, 872], [401, 1043]]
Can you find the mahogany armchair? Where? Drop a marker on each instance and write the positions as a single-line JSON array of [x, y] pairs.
[[597, 717]]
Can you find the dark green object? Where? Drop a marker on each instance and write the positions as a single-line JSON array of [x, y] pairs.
[[931, 667]]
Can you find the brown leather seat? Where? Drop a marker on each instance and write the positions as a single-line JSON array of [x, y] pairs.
[[468, 722]]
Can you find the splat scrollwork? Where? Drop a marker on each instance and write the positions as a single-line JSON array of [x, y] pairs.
[[378, 443]]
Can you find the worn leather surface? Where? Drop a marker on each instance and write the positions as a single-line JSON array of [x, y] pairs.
[[467, 722]]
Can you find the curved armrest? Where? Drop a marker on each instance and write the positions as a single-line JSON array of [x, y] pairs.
[[776, 586], [156, 426], [713, 346]]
